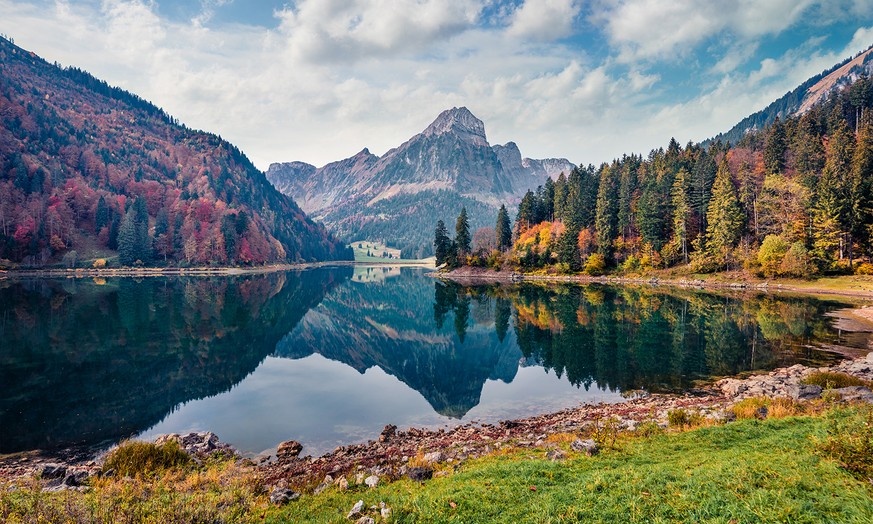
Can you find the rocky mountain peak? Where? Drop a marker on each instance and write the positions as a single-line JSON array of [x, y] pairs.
[[460, 122]]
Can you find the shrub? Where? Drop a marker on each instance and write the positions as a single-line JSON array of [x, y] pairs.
[[796, 261], [595, 265], [631, 263], [680, 418], [832, 380], [864, 269], [99, 263], [850, 441], [771, 253], [70, 258], [135, 459]]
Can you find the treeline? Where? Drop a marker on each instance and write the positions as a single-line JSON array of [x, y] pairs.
[[89, 171], [793, 198]]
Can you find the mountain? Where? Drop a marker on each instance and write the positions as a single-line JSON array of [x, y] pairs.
[[91, 171], [800, 100], [399, 196]]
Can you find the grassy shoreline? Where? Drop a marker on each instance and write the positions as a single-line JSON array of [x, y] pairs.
[[776, 470]]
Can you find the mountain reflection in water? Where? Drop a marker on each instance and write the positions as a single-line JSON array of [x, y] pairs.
[[329, 356]]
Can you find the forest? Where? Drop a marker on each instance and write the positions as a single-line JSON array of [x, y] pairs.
[[793, 198], [91, 174]]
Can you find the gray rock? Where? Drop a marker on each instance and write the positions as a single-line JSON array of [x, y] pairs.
[[856, 393], [762, 412], [280, 496], [372, 481], [434, 457], [356, 509], [801, 392], [52, 471], [588, 446], [76, 478], [556, 455], [365, 520], [342, 483], [386, 513], [419, 474], [289, 449]]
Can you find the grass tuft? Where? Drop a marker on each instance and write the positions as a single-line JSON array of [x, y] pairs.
[[134, 459], [775, 408], [833, 380]]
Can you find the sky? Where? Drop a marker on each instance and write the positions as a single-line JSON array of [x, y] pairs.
[[319, 80]]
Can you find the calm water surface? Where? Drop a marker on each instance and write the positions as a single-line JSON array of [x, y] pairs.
[[330, 356]]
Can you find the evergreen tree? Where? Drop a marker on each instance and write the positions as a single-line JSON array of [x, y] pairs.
[[127, 237], [526, 213], [775, 147], [462, 232], [102, 215], [724, 217], [606, 214], [143, 242], [441, 243], [859, 189], [830, 219], [681, 212], [548, 197], [503, 229], [228, 231], [561, 197]]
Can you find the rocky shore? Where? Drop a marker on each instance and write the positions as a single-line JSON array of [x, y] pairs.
[[421, 454]]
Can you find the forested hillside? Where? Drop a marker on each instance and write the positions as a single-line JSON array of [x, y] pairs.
[[793, 198], [89, 171]]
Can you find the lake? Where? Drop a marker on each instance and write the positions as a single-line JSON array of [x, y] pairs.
[[329, 356]]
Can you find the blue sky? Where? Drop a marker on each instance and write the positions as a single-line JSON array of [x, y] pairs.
[[319, 80]]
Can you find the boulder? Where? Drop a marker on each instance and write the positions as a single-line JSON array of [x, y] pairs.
[[419, 474], [588, 446], [52, 471], [356, 509], [434, 457], [280, 496], [803, 392], [372, 481], [855, 393], [388, 433], [365, 520], [556, 455], [289, 449]]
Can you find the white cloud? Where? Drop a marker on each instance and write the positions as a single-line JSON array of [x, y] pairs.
[[544, 19], [658, 29]]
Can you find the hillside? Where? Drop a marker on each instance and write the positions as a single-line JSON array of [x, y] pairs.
[[802, 98], [396, 197], [88, 170]]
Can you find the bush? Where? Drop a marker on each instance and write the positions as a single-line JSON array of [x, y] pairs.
[[864, 269], [70, 258], [771, 253], [631, 263], [796, 261], [99, 263], [135, 459], [850, 441], [832, 380], [595, 265]]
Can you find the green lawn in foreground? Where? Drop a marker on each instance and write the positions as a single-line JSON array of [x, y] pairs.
[[747, 471]]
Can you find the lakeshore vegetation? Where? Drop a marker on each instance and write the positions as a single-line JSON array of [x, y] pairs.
[[805, 467], [791, 199]]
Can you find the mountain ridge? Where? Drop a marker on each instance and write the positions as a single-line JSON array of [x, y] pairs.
[[450, 157]]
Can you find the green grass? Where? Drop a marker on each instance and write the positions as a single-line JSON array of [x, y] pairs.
[[747, 471], [376, 249], [135, 458], [794, 469]]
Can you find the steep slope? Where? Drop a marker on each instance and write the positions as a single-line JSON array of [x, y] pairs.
[[89, 170], [399, 196], [804, 96]]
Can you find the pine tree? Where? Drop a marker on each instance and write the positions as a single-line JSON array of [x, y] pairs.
[[462, 232], [606, 215], [127, 248], [102, 215], [441, 243], [859, 189], [830, 218], [526, 213], [561, 197], [681, 212], [724, 217], [775, 147], [143, 242], [503, 229]]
